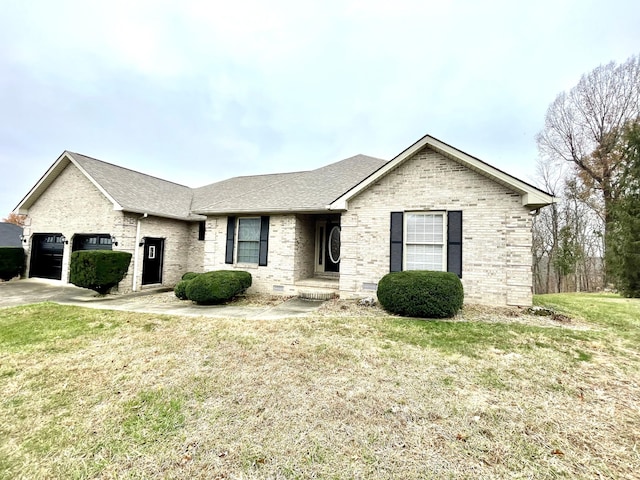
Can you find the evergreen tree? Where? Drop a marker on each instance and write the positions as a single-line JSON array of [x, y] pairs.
[[623, 257]]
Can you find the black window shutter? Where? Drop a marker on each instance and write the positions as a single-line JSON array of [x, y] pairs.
[[397, 241], [264, 241], [454, 242], [231, 233]]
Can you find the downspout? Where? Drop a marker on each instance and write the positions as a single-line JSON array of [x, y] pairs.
[[136, 255]]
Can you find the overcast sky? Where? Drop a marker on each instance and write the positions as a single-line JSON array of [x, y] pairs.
[[199, 91]]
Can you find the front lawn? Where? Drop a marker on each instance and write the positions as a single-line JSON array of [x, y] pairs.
[[105, 394]]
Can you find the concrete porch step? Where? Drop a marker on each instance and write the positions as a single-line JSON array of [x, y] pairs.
[[317, 294], [318, 288]]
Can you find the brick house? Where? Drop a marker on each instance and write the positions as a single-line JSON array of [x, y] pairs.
[[333, 230]]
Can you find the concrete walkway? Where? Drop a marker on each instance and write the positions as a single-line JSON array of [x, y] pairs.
[[27, 291]]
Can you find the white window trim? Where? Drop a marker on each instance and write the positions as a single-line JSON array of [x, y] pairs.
[[405, 229], [236, 241]]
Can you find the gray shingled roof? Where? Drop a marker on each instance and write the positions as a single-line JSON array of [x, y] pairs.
[[306, 191], [138, 192], [10, 235]]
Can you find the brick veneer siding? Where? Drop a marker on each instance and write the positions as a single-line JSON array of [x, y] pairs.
[[73, 205], [496, 229], [290, 258], [177, 236]]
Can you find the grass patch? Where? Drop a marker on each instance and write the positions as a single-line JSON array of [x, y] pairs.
[[50, 326], [152, 415], [472, 339], [105, 394], [616, 315]]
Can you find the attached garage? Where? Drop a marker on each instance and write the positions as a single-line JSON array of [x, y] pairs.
[[46, 255], [92, 241]]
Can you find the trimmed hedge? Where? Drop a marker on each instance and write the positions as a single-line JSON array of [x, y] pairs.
[[243, 277], [213, 287], [99, 270], [11, 262], [190, 275], [421, 293], [181, 289]]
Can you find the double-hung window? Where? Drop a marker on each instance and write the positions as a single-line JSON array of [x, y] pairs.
[[425, 241], [248, 240]]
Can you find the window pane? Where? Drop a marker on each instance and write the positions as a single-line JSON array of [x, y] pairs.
[[248, 240], [249, 229], [424, 228], [248, 252], [424, 257]]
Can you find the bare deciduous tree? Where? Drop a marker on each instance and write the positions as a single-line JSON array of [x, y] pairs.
[[585, 127]]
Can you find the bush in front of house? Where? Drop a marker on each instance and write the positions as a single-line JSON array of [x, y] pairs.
[[190, 275], [216, 287], [181, 289], [421, 293], [11, 262], [243, 277], [99, 270]]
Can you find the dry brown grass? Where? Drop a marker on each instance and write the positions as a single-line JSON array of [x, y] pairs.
[[323, 397]]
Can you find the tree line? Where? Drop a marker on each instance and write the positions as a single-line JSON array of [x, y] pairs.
[[589, 158]]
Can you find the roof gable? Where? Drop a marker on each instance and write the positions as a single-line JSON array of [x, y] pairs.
[[532, 197], [126, 189]]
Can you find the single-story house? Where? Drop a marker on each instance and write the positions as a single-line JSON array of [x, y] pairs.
[[335, 230], [10, 235]]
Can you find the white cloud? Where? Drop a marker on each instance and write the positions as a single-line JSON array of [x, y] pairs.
[[249, 86]]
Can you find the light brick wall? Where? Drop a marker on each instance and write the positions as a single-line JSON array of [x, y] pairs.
[[496, 229], [73, 205], [288, 241], [305, 247], [195, 254], [177, 236]]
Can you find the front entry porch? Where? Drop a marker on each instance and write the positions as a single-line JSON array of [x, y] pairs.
[[318, 263]]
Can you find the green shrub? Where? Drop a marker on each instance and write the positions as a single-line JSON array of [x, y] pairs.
[[11, 262], [243, 277], [181, 289], [99, 270], [421, 293], [190, 275], [215, 287]]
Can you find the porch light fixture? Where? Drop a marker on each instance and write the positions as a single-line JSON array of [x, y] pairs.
[[63, 239], [141, 244], [114, 241], [23, 238]]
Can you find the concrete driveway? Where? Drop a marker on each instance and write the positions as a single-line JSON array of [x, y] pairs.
[[26, 291], [23, 292]]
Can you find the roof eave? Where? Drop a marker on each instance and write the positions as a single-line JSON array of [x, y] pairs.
[[535, 201], [265, 211], [191, 217]]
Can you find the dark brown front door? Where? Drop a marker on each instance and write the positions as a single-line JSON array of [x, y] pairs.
[[152, 263]]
